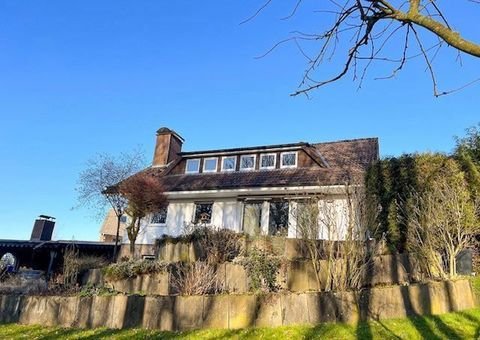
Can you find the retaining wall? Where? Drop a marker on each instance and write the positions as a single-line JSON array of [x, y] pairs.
[[296, 276], [236, 311]]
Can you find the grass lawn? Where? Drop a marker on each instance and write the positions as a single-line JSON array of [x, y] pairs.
[[461, 325]]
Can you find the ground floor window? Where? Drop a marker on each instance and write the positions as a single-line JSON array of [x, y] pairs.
[[278, 218], [252, 218], [203, 213], [159, 217]]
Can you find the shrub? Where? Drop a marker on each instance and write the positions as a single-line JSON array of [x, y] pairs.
[[133, 268], [216, 245], [262, 270], [198, 278], [220, 245]]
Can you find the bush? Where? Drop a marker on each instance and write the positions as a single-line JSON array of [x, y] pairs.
[[198, 278], [133, 268], [262, 270], [220, 245], [216, 245]]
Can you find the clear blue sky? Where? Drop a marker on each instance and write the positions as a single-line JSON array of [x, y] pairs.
[[77, 78]]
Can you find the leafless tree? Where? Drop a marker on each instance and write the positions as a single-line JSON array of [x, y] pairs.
[[335, 235], [144, 194], [102, 172], [363, 32], [443, 222]]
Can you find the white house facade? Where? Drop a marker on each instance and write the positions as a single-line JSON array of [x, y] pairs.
[[254, 190]]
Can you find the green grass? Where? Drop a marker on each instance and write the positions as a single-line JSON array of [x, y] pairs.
[[461, 325]]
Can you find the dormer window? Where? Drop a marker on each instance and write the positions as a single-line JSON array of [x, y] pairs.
[[192, 166], [210, 165], [247, 162], [288, 159], [267, 161], [229, 163]]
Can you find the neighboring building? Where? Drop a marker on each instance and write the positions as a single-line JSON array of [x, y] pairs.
[[108, 230], [251, 189], [42, 253]]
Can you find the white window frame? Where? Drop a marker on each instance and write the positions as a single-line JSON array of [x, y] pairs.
[[274, 161], [254, 162], [289, 166], [198, 167], [234, 163], [205, 162]]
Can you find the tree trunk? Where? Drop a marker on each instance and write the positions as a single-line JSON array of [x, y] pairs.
[[453, 266]]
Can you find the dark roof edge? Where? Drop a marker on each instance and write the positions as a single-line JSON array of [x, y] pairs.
[[349, 140], [246, 149]]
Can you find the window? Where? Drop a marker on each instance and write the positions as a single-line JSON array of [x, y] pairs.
[[193, 166], [267, 161], [203, 213], [247, 162], [288, 159], [123, 219], [278, 219], [159, 217], [210, 165], [252, 218], [229, 163]]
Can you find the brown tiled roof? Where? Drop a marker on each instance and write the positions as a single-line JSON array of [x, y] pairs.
[[261, 178], [348, 153], [346, 162]]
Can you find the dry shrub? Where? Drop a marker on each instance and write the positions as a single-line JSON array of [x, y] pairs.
[[70, 266], [198, 278], [220, 244], [343, 224]]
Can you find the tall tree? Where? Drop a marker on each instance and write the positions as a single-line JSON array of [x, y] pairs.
[[363, 32], [104, 171]]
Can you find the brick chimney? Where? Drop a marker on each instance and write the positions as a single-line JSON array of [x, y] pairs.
[[169, 144]]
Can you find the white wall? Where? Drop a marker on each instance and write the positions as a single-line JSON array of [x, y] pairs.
[[333, 219], [228, 213]]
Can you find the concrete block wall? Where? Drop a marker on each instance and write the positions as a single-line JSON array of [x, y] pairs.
[[297, 276], [178, 313]]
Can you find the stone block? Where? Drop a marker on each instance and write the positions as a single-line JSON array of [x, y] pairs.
[[188, 312], [235, 278], [101, 311], [294, 309], [10, 308], [268, 311], [159, 313], [242, 311], [215, 313]]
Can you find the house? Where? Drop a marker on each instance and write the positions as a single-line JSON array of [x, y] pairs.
[[42, 253], [108, 230], [251, 189]]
